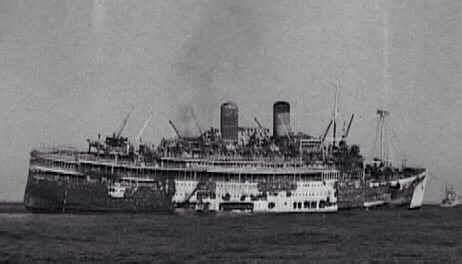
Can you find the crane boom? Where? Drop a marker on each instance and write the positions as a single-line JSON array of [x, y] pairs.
[[195, 121], [258, 123], [174, 128], [144, 127], [124, 123], [327, 131], [349, 126]]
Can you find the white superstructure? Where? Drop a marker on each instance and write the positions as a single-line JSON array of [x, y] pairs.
[[256, 188]]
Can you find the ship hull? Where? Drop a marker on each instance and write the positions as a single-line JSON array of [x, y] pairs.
[[58, 183], [404, 192], [56, 195]]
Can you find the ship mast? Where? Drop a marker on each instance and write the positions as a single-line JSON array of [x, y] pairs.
[[119, 131], [381, 114], [334, 114], [347, 131]]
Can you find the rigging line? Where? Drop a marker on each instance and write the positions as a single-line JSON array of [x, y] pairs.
[[389, 143], [397, 150], [377, 136], [396, 137], [392, 144], [385, 140], [375, 143], [396, 144]]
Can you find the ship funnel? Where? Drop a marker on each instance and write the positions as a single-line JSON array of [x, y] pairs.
[[229, 119], [281, 119]]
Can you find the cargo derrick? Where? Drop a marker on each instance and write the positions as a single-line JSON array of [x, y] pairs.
[[348, 158], [180, 146], [232, 141], [262, 137], [115, 144], [249, 142], [381, 167], [146, 152], [337, 152]]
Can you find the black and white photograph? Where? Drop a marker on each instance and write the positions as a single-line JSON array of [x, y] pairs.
[[230, 131]]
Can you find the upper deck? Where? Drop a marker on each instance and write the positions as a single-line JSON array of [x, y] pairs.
[[251, 166], [215, 165]]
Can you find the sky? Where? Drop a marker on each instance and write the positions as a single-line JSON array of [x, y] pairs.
[[72, 69]]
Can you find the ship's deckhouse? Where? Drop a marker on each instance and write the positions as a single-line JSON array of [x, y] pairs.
[[257, 188]]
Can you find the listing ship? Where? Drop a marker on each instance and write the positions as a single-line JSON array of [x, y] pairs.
[[233, 168]]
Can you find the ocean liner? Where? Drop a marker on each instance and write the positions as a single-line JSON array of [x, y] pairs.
[[233, 168]]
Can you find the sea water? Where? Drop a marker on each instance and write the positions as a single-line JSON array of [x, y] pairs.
[[428, 235]]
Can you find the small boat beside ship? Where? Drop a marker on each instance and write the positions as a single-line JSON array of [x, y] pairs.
[[450, 197]]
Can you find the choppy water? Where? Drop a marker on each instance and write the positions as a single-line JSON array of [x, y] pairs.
[[429, 235]]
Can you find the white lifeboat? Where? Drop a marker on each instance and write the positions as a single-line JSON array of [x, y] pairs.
[[117, 190]]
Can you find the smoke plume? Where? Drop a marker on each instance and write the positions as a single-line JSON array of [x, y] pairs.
[[213, 58]]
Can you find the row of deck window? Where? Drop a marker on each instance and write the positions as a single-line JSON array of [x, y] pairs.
[[189, 175], [300, 205], [306, 204], [56, 164], [331, 175]]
